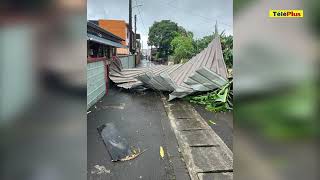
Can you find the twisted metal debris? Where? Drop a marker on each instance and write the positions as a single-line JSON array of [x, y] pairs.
[[204, 72]]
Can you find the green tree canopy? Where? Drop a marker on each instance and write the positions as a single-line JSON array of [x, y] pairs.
[[202, 43], [183, 48], [170, 38], [227, 49], [162, 33]]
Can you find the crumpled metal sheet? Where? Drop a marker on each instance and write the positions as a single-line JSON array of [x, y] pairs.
[[116, 145], [204, 72]]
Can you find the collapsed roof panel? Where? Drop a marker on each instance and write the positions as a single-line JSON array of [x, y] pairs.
[[204, 72]]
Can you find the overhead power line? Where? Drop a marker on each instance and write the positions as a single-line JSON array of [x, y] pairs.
[[209, 20], [139, 13]]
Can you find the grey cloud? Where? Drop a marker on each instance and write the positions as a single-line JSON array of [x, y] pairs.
[[198, 16]]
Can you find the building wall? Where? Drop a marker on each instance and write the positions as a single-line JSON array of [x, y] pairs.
[[123, 51], [118, 28], [96, 84]]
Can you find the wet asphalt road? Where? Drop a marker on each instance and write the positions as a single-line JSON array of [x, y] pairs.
[[141, 119]]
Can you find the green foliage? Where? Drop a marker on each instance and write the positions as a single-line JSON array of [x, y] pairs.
[[313, 7], [171, 39], [182, 47], [157, 55], [227, 49], [184, 32], [219, 100], [281, 115], [202, 43], [161, 34]]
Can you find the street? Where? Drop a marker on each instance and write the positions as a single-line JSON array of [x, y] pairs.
[[141, 119]]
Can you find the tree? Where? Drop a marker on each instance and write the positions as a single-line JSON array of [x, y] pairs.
[[227, 49], [161, 34], [184, 32], [182, 47], [202, 43]]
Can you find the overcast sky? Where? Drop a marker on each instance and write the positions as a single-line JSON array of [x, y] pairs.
[[198, 16]]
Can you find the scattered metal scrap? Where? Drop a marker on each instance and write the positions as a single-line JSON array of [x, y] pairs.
[[116, 145], [204, 72], [100, 170]]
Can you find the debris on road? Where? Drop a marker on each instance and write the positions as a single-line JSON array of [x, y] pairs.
[[116, 145], [161, 152], [100, 170], [211, 122], [135, 154], [219, 100], [204, 72]]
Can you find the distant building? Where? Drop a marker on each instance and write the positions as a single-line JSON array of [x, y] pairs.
[[119, 28], [102, 43]]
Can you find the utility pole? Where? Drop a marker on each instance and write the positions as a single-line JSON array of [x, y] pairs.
[[141, 45], [135, 33], [130, 26]]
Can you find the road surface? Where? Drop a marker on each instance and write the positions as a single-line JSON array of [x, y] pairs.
[[141, 119]]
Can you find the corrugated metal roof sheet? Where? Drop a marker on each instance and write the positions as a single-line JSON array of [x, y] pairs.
[[205, 71]]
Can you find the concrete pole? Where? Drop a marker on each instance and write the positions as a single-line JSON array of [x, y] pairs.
[[130, 26]]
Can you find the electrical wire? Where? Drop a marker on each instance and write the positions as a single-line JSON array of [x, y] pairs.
[[139, 13], [208, 20]]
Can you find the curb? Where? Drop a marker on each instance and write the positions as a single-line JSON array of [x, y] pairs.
[[205, 154]]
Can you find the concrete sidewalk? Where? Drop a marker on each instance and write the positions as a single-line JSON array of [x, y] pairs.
[[205, 154], [140, 117], [223, 123]]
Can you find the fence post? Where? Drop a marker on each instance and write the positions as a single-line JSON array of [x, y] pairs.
[[106, 74], [128, 61]]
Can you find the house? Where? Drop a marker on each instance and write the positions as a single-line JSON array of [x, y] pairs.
[[101, 43], [101, 48], [119, 28]]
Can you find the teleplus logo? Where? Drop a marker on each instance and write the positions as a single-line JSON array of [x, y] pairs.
[[286, 13]]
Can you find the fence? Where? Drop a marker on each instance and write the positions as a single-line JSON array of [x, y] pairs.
[[97, 78], [128, 61], [96, 82]]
